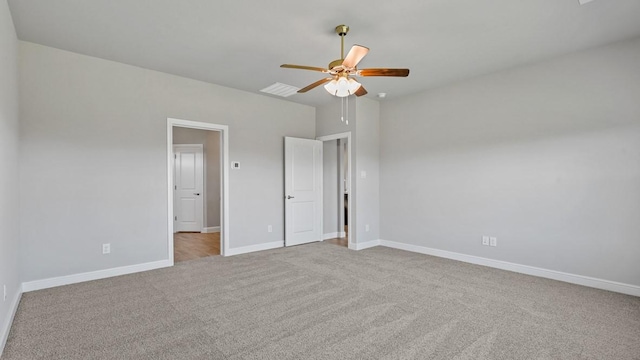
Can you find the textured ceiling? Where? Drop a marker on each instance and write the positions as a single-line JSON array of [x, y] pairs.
[[241, 44]]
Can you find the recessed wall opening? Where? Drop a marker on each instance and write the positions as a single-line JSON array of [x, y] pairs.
[[336, 189], [198, 189], [196, 201]]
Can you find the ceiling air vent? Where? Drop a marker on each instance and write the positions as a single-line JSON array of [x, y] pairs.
[[280, 89]]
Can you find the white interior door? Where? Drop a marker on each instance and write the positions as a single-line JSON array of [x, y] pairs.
[[303, 190], [188, 204]]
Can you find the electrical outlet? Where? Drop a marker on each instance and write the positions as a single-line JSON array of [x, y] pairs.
[[485, 240], [366, 228], [493, 241], [269, 228], [106, 249]]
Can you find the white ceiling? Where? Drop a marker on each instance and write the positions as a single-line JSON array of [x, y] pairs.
[[241, 44]]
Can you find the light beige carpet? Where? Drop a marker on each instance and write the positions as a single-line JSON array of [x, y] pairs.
[[323, 301]]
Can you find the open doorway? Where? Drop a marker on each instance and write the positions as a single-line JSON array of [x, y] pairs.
[[198, 189], [196, 200], [336, 189]]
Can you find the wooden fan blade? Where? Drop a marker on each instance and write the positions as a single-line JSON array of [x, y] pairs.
[[314, 85], [361, 91], [384, 72], [302, 67], [354, 56]]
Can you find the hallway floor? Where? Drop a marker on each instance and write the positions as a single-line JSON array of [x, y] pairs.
[[343, 241], [189, 246]]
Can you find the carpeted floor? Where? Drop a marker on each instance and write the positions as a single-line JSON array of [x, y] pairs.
[[323, 301]]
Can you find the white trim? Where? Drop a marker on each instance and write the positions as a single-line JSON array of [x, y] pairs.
[[6, 326], [205, 188], [93, 275], [321, 197], [327, 236], [351, 242], [211, 229], [333, 235], [523, 269], [367, 244], [224, 175], [344, 135], [254, 248]]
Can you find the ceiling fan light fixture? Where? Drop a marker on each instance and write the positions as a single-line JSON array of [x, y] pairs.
[[342, 87], [353, 85]]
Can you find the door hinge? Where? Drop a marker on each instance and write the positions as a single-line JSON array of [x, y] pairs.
[[175, 187], [175, 218], [175, 156]]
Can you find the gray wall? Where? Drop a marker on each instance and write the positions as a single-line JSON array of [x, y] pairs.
[[343, 185], [328, 118], [330, 188], [9, 231], [210, 141], [368, 160], [545, 157], [93, 159]]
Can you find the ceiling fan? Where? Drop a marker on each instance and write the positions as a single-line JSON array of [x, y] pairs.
[[341, 82]]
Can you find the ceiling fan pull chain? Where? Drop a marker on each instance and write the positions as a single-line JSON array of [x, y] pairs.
[[347, 121], [342, 109]]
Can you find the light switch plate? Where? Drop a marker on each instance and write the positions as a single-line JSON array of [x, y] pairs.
[[485, 240]]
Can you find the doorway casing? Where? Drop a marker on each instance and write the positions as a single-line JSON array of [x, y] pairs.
[[224, 175]]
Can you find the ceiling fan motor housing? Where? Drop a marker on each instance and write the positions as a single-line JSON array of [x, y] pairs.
[[335, 63]]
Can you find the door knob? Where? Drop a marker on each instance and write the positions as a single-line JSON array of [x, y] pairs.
[[290, 197], [196, 194]]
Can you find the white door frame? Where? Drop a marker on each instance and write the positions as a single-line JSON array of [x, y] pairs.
[[224, 174], [352, 228]]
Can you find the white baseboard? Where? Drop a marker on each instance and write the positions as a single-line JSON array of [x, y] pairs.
[[6, 325], [211, 229], [93, 275], [366, 244], [523, 269], [254, 248], [333, 235], [328, 236]]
